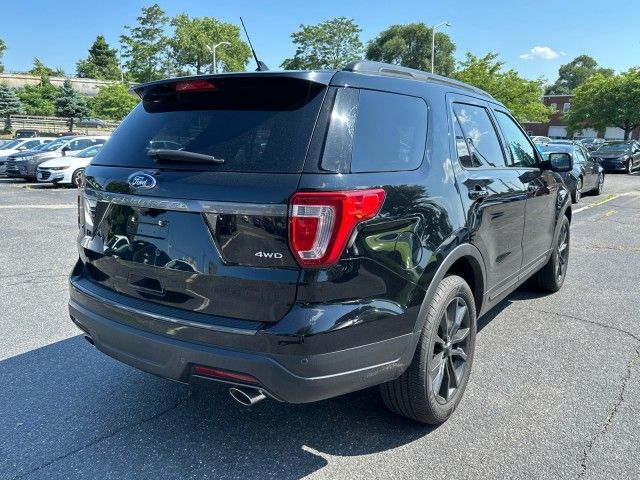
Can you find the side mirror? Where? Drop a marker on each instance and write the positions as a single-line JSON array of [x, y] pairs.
[[65, 149], [560, 162]]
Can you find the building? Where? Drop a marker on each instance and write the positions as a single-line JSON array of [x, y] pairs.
[[557, 129]]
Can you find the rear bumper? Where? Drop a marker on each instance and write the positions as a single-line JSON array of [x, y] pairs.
[[286, 368]]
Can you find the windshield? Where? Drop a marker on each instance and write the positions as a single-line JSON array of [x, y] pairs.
[[89, 152], [614, 147], [253, 124], [50, 147], [12, 144]]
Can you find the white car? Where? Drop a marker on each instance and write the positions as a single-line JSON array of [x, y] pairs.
[[67, 170], [20, 145]]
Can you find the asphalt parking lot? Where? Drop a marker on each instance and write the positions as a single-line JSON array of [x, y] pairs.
[[554, 392]]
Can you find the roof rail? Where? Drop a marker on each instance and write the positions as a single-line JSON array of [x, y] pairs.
[[380, 68]]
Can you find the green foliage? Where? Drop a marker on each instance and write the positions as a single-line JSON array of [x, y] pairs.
[[573, 74], [3, 48], [145, 47], [194, 37], [41, 70], [521, 96], [102, 62], [113, 102], [9, 103], [330, 44], [410, 46], [606, 100], [70, 103], [39, 99]]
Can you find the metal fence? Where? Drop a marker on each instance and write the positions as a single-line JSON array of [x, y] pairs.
[[57, 125]]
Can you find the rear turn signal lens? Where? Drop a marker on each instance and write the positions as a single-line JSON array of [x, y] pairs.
[[321, 223]]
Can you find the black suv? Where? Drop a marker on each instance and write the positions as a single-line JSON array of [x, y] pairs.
[[315, 233]]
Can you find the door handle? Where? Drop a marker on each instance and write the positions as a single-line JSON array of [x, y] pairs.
[[478, 192]]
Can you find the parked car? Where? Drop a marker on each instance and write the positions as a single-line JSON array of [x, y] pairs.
[[586, 174], [25, 167], [4, 142], [305, 242], [68, 170], [18, 155], [92, 123], [592, 143], [621, 156], [26, 133], [20, 145], [540, 139]]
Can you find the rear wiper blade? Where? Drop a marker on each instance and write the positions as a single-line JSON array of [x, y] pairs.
[[168, 155]]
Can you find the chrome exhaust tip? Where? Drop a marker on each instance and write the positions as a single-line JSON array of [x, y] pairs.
[[246, 396]]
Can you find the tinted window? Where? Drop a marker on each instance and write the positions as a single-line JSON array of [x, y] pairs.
[[391, 132], [522, 152], [255, 124], [483, 147], [342, 127]]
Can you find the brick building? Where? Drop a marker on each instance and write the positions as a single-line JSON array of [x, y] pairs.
[[557, 128]]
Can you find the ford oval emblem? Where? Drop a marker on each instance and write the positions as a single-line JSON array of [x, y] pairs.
[[141, 180]]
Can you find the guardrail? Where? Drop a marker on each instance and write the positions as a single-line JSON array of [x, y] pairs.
[[56, 125]]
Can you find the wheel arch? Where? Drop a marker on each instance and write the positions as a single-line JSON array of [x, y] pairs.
[[465, 261]]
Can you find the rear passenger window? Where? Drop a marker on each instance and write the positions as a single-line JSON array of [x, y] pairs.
[[376, 132], [521, 149], [476, 139]]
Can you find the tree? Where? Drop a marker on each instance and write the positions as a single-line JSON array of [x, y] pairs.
[[330, 44], [39, 99], [194, 37], [113, 102], [606, 100], [9, 103], [3, 48], [102, 62], [70, 103], [41, 70], [410, 46], [573, 74], [519, 95], [145, 45]]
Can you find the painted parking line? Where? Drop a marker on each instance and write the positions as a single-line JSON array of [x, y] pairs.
[[596, 204]]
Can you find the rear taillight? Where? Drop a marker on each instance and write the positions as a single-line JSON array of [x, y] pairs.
[[321, 223]]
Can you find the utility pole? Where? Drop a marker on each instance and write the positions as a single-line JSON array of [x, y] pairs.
[[213, 50], [433, 42]]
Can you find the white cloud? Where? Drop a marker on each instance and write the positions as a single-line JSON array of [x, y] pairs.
[[541, 53]]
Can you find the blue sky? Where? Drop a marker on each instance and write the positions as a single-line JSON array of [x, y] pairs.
[[59, 33]]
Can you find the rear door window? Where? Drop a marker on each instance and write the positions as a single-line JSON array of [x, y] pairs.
[[476, 138], [372, 131], [254, 123]]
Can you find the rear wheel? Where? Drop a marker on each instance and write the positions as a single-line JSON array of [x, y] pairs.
[[630, 166], [551, 277], [600, 186], [431, 388], [577, 194], [76, 177]]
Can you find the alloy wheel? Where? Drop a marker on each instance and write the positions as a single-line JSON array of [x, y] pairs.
[[450, 350], [600, 183], [578, 194], [562, 252], [77, 178]]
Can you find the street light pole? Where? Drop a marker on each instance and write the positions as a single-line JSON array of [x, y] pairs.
[[433, 41], [213, 50]]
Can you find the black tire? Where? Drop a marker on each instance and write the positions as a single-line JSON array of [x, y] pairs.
[[550, 278], [600, 185], [413, 394], [76, 178], [577, 193]]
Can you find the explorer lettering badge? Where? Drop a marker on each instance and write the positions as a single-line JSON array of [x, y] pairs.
[[141, 180]]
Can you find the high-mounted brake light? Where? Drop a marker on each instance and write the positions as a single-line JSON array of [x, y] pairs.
[[321, 223], [195, 85]]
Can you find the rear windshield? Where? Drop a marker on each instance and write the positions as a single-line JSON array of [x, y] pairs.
[[253, 124]]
